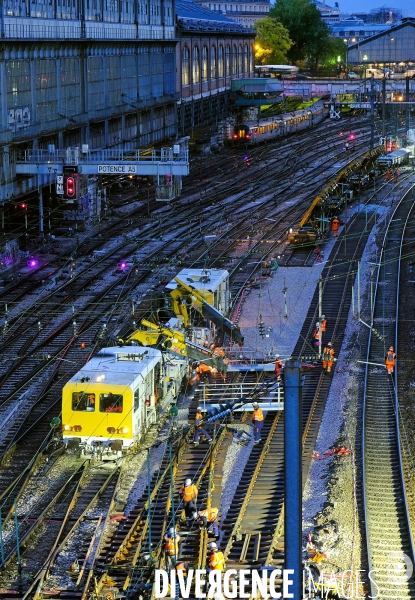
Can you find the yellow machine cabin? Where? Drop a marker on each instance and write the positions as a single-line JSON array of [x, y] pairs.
[[110, 402]]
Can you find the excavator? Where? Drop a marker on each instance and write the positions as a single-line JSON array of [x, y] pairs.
[[185, 296], [166, 338]]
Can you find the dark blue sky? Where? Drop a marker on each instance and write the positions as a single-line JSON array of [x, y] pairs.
[[406, 6]]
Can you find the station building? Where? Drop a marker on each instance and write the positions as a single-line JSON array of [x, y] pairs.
[[212, 50], [391, 48], [108, 75], [91, 72], [244, 12]]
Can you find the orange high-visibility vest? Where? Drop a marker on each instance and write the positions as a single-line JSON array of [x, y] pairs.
[[335, 224], [188, 492], [390, 357], [171, 545], [258, 415], [182, 567], [278, 366], [198, 417], [328, 353], [211, 514], [202, 368], [323, 325], [217, 561]]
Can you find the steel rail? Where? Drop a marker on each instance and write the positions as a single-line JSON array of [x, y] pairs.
[[66, 531], [388, 531]]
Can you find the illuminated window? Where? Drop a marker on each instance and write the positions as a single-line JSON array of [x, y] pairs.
[[186, 66], [220, 61], [110, 403], [195, 65], [213, 62], [83, 402], [204, 63]]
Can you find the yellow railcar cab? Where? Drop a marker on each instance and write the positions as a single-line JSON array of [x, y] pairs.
[[112, 400]]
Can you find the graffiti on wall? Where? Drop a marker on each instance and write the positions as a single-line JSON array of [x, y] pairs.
[[18, 117]]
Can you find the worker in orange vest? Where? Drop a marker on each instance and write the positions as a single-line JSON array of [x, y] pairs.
[[317, 335], [323, 324], [216, 559], [278, 367], [199, 429], [390, 360], [209, 518], [171, 546], [396, 175], [194, 376], [188, 493], [258, 421], [388, 175], [204, 371], [328, 356], [335, 226]]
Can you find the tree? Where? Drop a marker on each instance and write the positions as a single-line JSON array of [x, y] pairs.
[[306, 28], [272, 42], [335, 52]]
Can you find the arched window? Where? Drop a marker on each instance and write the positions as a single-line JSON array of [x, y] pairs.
[[186, 66], [234, 61], [240, 60], [213, 62], [227, 61], [204, 63], [246, 59], [195, 65], [220, 61]]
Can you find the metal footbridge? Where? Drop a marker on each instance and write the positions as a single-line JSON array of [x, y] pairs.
[[170, 161]]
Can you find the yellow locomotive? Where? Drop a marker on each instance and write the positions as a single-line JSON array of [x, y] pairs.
[[111, 401]]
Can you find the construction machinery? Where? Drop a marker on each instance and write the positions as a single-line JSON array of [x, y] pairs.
[[167, 337], [207, 293]]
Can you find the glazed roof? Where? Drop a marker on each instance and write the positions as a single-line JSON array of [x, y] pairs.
[[193, 17]]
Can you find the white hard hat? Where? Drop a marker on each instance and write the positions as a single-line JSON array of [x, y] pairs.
[[195, 515], [255, 404], [172, 531], [213, 546], [188, 482], [330, 344], [317, 324], [323, 316], [277, 356], [199, 408]]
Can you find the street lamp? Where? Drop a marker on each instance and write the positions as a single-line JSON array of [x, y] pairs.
[[347, 52], [365, 65]]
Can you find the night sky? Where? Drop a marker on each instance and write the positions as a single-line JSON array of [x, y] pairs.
[[406, 6]]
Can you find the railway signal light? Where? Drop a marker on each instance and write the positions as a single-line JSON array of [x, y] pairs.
[[70, 187], [82, 345]]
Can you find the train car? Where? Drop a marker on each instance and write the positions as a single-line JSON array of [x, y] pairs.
[[254, 132], [109, 404], [395, 158]]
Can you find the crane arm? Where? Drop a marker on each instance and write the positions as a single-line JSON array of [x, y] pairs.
[[210, 312], [174, 341]]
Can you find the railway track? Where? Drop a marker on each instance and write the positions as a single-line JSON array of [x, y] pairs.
[[33, 346], [388, 531]]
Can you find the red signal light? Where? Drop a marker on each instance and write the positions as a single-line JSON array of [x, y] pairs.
[[352, 136], [70, 187], [248, 137], [235, 137]]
